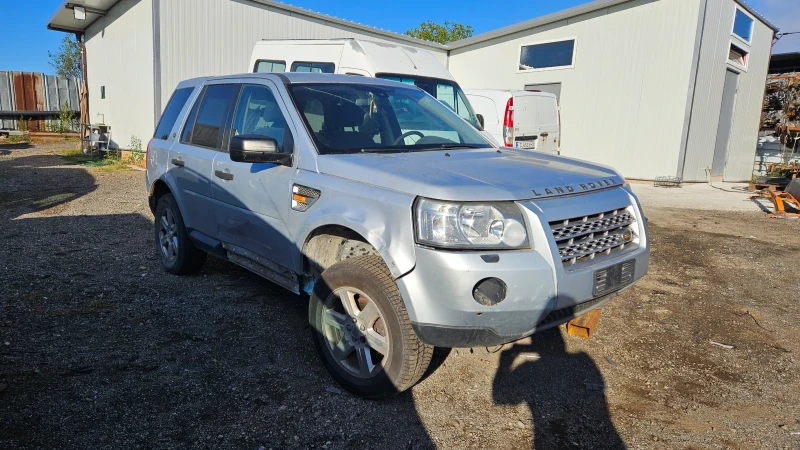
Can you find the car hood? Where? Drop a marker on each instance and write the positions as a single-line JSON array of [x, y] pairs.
[[472, 175]]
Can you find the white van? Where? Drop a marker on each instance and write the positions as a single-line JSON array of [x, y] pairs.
[[364, 58], [521, 119]]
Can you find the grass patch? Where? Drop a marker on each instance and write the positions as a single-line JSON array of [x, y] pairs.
[[16, 139], [109, 163]]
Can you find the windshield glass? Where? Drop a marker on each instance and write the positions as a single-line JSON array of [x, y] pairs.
[[445, 91], [353, 117]]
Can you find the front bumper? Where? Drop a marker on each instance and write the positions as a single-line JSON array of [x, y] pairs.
[[541, 293]]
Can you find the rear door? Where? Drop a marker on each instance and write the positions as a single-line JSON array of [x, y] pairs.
[[191, 158], [251, 200], [166, 134], [547, 123], [526, 129], [492, 119]]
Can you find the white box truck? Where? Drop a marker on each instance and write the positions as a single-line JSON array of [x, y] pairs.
[[358, 57]]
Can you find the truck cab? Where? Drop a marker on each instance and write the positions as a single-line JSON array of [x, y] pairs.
[[360, 57]]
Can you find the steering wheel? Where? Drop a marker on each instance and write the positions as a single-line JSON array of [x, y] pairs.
[[407, 134]]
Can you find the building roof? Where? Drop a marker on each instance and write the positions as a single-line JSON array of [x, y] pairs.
[[566, 14], [784, 63], [63, 19]]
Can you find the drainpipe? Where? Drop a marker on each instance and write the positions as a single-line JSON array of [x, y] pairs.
[[84, 97]]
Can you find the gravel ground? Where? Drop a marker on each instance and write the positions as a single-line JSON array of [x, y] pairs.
[[100, 348]]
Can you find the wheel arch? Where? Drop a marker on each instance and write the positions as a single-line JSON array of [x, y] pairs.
[[330, 243], [158, 189]]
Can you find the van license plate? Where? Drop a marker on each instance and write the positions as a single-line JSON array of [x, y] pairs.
[[525, 144], [613, 278]]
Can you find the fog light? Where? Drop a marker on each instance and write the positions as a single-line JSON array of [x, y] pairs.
[[489, 291]]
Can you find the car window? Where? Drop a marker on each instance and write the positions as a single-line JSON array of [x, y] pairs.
[[209, 125], [174, 107], [263, 66], [351, 118], [315, 67], [258, 114]]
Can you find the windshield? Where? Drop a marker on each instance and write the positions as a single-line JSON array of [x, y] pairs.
[[353, 117], [445, 91]]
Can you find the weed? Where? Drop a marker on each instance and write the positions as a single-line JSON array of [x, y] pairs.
[[137, 156], [111, 162]]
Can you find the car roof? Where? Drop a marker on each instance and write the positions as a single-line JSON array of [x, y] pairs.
[[293, 78]]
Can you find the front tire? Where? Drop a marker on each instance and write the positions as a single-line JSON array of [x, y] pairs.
[[362, 331], [176, 251]]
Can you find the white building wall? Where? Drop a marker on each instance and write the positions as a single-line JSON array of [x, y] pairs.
[[708, 97], [216, 37], [120, 57], [624, 102]]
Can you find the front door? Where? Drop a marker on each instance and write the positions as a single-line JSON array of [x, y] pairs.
[[251, 200], [725, 123]]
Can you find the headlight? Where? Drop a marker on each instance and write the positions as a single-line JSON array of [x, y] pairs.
[[470, 225]]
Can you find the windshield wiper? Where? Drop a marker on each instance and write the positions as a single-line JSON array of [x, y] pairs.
[[414, 148], [396, 148], [449, 146]]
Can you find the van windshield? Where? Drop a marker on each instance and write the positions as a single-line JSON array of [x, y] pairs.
[[446, 91], [353, 117]]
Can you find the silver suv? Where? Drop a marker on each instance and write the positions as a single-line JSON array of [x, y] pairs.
[[403, 225]]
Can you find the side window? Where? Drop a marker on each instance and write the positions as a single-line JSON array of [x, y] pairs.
[[209, 123], [266, 66], [174, 107], [187, 129], [445, 93], [258, 114], [316, 67]]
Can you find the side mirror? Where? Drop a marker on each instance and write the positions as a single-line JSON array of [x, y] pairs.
[[257, 149], [480, 120]]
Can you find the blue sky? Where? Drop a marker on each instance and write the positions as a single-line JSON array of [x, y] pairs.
[[26, 40]]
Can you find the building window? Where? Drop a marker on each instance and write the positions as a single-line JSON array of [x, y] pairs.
[[743, 25], [102, 92], [547, 55], [264, 66], [315, 67], [737, 56]]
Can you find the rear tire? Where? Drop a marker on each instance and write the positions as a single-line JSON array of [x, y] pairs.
[[374, 328], [176, 251]]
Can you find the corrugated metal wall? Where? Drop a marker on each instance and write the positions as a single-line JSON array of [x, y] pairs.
[[216, 37], [27, 91], [623, 104], [120, 57], [708, 98]]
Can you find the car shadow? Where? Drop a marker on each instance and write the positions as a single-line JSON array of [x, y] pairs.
[[564, 392], [36, 182], [105, 348]]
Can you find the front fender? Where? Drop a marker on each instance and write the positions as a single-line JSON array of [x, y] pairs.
[[381, 216]]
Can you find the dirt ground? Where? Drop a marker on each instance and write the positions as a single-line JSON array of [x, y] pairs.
[[100, 348]]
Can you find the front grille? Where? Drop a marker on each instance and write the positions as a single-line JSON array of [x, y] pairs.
[[596, 236]]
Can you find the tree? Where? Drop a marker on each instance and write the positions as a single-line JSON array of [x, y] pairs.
[[442, 34], [67, 59]]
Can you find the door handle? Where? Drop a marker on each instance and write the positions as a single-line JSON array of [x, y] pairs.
[[224, 175], [178, 162], [545, 134]]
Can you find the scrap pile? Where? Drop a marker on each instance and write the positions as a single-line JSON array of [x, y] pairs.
[[786, 202]]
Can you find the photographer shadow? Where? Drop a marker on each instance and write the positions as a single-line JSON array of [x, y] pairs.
[[562, 390]]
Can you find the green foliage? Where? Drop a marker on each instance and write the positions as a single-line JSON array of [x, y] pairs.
[[137, 155], [66, 120], [449, 32], [23, 124], [67, 59]]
